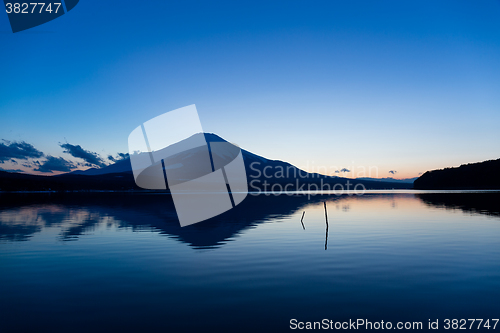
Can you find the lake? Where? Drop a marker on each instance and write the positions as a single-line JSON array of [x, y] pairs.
[[101, 262]]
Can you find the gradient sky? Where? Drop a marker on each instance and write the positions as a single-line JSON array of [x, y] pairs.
[[406, 86]]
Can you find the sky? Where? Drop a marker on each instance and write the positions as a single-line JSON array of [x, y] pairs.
[[325, 85]]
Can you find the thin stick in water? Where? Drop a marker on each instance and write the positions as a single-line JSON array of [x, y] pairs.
[[326, 216], [326, 219]]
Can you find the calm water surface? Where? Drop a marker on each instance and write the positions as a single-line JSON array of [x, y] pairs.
[[120, 262]]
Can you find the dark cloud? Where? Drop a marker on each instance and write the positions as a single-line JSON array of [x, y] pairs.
[[119, 157], [393, 172], [20, 150], [54, 164], [345, 170], [91, 159], [337, 171], [13, 162], [123, 155]]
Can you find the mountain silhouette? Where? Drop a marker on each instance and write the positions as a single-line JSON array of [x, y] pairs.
[[125, 166], [259, 168], [482, 175]]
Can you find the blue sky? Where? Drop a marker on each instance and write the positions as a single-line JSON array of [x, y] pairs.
[[406, 86]]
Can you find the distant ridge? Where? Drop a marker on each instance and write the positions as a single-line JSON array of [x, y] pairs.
[[117, 167], [482, 175], [389, 179]]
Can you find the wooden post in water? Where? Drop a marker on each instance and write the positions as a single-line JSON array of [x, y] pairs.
[[326, 219], [302, 219]]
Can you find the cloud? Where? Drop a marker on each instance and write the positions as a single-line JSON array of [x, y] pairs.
[[124, 155], [20, 150], [337, 171], [119, 157], [92, 159], [54, 164], [345, 170], [393, 172]]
